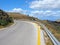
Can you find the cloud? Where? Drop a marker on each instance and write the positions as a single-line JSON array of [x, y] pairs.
[[45, 4], [18, 10], [45, 9], [45, 13]]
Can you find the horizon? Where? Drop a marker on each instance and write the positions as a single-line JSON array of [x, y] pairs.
[[41, 9]]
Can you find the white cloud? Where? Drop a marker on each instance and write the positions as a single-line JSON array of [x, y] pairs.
[[37, 12], [18, 10], [45, 4], [45, 13]]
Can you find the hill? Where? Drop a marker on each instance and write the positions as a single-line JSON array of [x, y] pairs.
[[54, 27], [21, 16], [4, 18]]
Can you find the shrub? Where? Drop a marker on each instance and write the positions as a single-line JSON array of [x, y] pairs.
[[4, 18]]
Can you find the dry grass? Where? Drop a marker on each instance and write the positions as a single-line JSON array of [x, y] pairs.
[[1, 27], [47, 39], [53, 28], [22, 16], [18, 16]]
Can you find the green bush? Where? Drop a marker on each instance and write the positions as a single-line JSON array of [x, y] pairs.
[[4, 18], [3, 22], [10, 19]]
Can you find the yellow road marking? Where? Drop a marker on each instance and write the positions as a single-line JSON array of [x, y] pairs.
[[38, 41], [38, 31]]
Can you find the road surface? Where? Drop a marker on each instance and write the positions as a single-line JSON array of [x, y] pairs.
[[22, 33]]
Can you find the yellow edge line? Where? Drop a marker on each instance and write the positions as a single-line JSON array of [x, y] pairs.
[[38, 37], [38, 41]]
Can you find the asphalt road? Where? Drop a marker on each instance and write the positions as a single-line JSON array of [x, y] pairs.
[[22, 33]]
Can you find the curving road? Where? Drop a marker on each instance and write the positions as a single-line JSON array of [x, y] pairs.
[[21, 33]]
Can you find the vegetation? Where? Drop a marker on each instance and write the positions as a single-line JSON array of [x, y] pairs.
[[4, 18], [47, 39], [21, 16], [54, 27]]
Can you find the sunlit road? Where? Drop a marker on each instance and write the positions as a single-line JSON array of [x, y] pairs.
[[22, 33]]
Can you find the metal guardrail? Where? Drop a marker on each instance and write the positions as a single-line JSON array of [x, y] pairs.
[[53, 39]]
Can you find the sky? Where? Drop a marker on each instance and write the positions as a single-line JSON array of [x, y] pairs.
[[42, 9]]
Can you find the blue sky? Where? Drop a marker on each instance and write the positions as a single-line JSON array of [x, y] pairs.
[[10, 4], [42, 9]]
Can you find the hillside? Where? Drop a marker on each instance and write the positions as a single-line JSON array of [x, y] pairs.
[[54, 27], [4, 18], [21, 16], [58, 20]]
